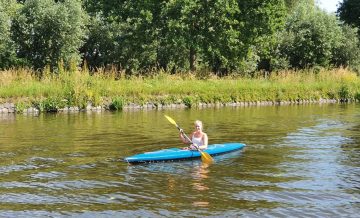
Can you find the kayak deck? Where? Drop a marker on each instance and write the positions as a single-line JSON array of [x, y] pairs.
[[171, 154]]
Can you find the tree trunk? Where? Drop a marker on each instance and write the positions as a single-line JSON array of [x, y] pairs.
[[192, 58]]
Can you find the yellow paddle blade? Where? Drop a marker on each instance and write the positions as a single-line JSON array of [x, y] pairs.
[[206, 158], [170, 120]]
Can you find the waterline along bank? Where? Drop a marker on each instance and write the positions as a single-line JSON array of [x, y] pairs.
[[24, 91]]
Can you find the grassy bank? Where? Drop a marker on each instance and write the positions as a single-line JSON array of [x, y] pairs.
[[77, 88]]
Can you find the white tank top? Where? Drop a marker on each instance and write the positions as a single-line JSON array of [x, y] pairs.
[[197, 141]]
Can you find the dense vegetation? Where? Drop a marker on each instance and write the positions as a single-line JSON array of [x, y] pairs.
[[349, 12], [80, 88], [62, 53], [138, 37]]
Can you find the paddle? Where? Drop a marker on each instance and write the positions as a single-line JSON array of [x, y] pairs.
[[205, 157]]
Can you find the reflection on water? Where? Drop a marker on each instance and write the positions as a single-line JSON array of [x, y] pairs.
[[200, 174], [300, 161]]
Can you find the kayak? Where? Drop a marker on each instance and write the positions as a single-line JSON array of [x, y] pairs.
[[171, 154]]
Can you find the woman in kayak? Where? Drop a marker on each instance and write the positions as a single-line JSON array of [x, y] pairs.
[[199, 139]]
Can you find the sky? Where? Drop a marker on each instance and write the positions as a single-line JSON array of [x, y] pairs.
[[328, 5]]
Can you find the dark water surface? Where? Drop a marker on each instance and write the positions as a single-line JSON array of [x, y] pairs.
[[300, 161]]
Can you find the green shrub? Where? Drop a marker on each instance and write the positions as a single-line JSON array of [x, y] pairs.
[[188, 101], [117, 104], [315, 38], [46, 32], [51, 104], [357, 97], [21, 106], [344, 93]]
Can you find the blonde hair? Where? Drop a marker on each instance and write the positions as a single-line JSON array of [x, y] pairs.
[[198, 122]]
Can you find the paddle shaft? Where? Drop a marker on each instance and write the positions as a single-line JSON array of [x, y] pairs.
[[186, 137], [171, 120]]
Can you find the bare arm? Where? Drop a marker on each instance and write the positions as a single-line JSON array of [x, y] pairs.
[[206, 140], [183, 138]]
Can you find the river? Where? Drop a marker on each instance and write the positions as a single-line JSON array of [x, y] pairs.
[[300, 161]]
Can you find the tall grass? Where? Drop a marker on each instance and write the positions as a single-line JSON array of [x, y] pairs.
[[79, 88]]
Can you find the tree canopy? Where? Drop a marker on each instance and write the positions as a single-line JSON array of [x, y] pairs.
[[7, 46], [46, 32], [349, 12], [222, 36]]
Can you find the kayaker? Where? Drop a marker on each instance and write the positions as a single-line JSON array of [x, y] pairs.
[[198, 137]]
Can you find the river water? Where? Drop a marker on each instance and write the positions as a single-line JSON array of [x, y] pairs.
[[300, 161]]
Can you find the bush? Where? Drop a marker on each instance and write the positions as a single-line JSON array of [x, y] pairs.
[[344, 93], [21, 106], [357, 97], [7, 46], [188, 101], [117, 104], [51, 104], [314, 38], [347, 53], [46, 32]]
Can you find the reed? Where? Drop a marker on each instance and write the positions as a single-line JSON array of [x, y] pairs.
[[80, 87]]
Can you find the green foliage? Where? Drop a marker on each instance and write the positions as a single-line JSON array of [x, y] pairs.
[[262, 20], [344, 93], [313, 34], [117, 103], [292, 4], [46, 32], [250, 62], [210, 32], [181, 35], [21, 106], [188, 101], [7, 46], [347, 53], [51, 104], [101, 45], [80, 88], [125, 34], [314, 38], [349, 12], [136, 38], [357, 96]]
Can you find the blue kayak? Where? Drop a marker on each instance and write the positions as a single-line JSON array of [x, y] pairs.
[[180, 154]]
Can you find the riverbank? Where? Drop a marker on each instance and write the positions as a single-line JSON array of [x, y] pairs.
[[24, 91], [12, 108]]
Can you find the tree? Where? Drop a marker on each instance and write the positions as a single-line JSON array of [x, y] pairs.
[[292, 4], [206, 30], [310, 37], [262, 20], [7, 46], [46, 32], [167, 34], [219, 35], [314, 38], [184, 34], [225, 35], [349, 12], [101, 46], [132, 31], [347, 54]]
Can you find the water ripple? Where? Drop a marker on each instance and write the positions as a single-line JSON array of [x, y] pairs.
[[299, 162], [17, 167]]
